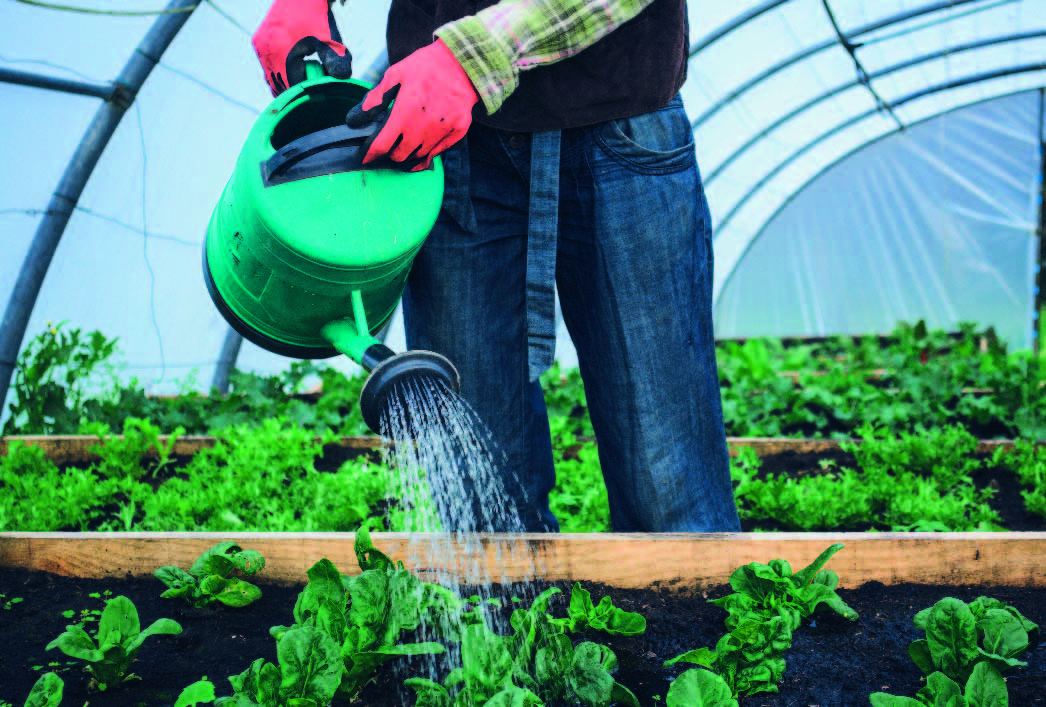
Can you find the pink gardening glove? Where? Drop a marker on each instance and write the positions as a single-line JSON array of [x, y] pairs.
[[292, 30], [433, 109]]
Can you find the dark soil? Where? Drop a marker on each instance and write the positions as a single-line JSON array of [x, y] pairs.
[[832, 662]]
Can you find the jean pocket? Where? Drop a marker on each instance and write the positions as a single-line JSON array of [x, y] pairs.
[[657, 142], [457, 193]]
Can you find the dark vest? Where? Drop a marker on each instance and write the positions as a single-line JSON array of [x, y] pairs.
[[635, 69]]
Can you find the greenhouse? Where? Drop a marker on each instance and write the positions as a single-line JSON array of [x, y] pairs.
[[319, 513]]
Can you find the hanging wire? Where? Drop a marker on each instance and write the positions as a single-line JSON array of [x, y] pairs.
[[104, 217], [862, 75], [208, 87], [228, 17], [96, 11], [145, 248]]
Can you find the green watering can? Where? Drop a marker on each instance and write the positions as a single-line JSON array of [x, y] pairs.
[[307, 251]]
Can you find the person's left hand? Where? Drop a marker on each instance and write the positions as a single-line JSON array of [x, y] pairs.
[[432, 110]]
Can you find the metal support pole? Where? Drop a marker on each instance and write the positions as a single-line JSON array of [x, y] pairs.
[[1040, 256], [227, 361], [71, 186], [104, 91]]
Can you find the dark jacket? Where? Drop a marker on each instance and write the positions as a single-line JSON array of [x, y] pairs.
[[635, 69]]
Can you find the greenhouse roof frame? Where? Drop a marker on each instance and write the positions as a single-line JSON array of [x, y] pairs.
[[846, 79], [759, 184]]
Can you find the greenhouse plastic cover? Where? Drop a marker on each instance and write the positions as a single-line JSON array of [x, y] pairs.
[[865, 162]]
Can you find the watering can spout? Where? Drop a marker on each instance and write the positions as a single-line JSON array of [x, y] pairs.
[[392, 380], [392, 375]]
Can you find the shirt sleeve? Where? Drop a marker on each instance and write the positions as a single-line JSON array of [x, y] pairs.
[[498, 42]]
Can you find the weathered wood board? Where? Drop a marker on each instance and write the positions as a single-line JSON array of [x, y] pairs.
[[673, 561]]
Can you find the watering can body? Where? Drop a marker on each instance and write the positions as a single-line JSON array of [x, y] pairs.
[[304, 241]]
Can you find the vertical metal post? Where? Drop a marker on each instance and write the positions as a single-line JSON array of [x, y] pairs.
[[1040, 256], [227, 360], [71, 186]]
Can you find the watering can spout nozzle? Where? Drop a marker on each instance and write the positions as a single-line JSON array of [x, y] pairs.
[[386, 385]]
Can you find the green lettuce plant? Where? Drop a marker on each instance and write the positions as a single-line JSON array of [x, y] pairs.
[[1027, 460], [209, 580], [966, 650], [46, 692], [699, 688], [308, 674], [768, 604], [537, 663], [365, 615], [110, 652]]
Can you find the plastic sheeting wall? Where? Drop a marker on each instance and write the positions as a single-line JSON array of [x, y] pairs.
[[936, 223]]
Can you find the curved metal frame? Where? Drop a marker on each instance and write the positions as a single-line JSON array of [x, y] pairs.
[[842, 158], [82, 163], [809, 51], [922, 93], [915, 61]]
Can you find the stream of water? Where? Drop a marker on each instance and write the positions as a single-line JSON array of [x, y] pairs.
[[445, 474]]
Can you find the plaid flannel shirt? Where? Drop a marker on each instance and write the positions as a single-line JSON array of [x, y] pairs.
[[498, 42]]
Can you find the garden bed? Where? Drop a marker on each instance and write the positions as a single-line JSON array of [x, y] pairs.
[[832, 662]]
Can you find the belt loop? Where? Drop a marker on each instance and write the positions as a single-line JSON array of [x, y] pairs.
[[542, 242]]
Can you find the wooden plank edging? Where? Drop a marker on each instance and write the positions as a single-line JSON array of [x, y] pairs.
[[69, 449], [674, 561]]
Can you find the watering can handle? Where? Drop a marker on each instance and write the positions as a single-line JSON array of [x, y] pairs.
[[330, 151], [314, 70]]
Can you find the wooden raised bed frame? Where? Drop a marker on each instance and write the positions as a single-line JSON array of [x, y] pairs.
[[684, 561]]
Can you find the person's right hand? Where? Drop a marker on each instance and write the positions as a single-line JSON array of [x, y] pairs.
[[291, 31]]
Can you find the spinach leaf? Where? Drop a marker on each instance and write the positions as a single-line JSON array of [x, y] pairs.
[[768, 604], [208, 580], [581, 615], [115, 645], [699, 688], [46, 692]]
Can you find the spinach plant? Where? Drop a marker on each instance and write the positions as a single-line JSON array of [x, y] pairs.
[[768, 604], [365, 615], [537, 663], [114, 647], [199, 692], [308, 673], [208, 580], [699, 688], [966, 650], [46, 692]]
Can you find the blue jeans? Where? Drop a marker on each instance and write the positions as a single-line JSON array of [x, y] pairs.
[[633, 269]]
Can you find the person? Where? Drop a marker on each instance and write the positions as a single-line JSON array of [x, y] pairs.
[[569, 165]]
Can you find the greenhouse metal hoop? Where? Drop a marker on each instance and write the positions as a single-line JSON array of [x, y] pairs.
[[120, 94]]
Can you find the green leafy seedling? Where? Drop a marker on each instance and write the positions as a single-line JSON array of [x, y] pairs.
[[309, 672], [110, 652], [46, 692], [209, 580], [200, 692]]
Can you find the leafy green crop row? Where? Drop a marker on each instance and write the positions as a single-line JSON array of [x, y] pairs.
[[64, 382], [264, 477], [67, 385], [345, 627], [909, 482]]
